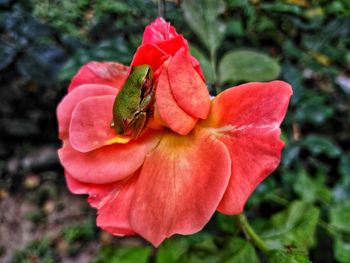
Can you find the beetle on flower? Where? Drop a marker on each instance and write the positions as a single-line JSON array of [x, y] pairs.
[[169, 161]]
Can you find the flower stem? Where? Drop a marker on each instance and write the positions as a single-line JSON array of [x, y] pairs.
[[213, 66], [161, 8], [251, 234]]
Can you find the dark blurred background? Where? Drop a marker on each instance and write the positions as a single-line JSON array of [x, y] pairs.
[[302, 210]]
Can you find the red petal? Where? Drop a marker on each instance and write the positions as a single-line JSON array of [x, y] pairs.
[[112, 200], [75, 186], [109, 163], [164, 36], [188, 88], [247, 118], [97, 192], [254, 156], [171, 46], [158, 31], [151, 55], [90, 124], [108, 73], [70, 101], [197, 67], [181, 183], [113, 215], [176, 119]]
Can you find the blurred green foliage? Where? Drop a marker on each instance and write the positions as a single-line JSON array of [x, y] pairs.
[[126, 254], [77, 235], [206, 248], [40, 251], [301, 211]]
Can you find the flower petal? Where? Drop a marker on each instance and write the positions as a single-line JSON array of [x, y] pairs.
[[90, 126], [158, 31], [97, 192], [181, 183], [164, 36], [253, 159], [151, 55], [197, 67], [108, 73], [246, 119], [113, 215], [112, 201], [75, 186], [171, 46], [176, 119], [70, 101], [188, 88], [109, 163]]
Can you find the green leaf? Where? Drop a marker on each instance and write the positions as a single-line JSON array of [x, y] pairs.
[[202, 17], [247, 65], [235, 28], [344, 165], [340, 216], [265, 191], [125, 255], [278, 7], [312, 189], [240, 251], [112, 6], [206, 66], [341, 190], [172, 249], [347, 60], [237, 3], [202, 249], [292, 75], [226, 223], [287, 257], [295, 226], [341, 250], [237, 250], [290, 154], [314, 110], [205, 248], [318, 145]]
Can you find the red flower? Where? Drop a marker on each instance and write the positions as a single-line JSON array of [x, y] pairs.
[[169, 181], [184, 97]]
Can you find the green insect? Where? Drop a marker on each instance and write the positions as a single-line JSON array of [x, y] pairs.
[[133, 105]]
